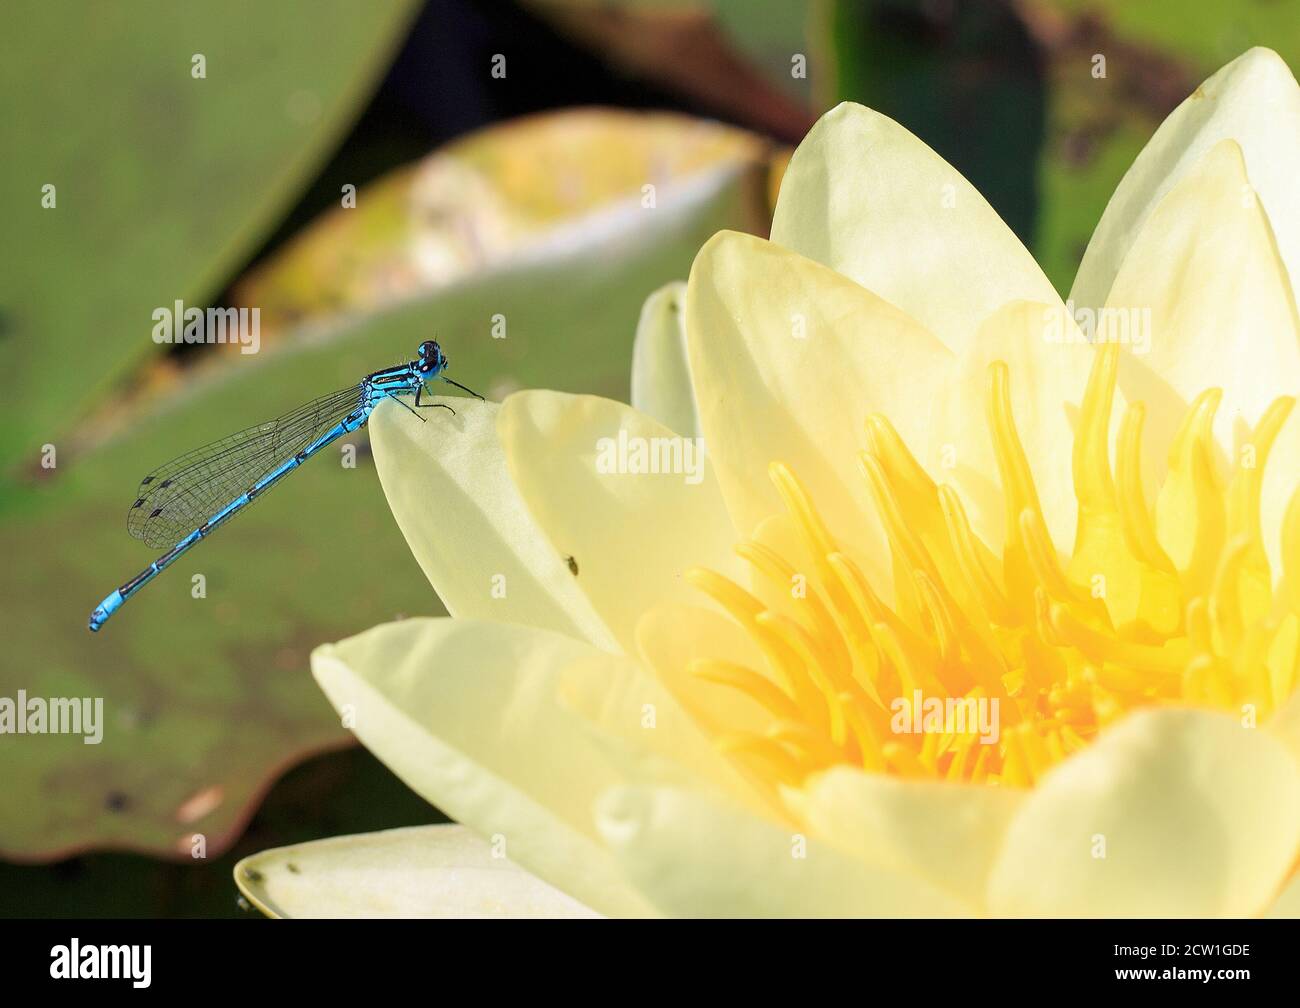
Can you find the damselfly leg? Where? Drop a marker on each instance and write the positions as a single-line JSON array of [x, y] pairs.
[[463, 388], [435, 405], [407, 406]]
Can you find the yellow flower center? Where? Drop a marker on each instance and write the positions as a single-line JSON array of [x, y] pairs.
[[991, 672]]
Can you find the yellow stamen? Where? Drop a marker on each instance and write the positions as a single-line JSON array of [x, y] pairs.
[[1171, 604], [749, 682]]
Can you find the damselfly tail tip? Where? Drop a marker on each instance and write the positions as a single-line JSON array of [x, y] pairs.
[[104, 610]]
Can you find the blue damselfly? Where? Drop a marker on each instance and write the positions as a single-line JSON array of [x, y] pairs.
[[181, 502]]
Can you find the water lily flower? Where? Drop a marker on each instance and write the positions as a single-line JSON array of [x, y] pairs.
[[979, 602]]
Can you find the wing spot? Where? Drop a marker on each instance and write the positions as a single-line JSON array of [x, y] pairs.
[[155, 512]]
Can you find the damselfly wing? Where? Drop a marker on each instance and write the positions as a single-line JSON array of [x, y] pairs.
[[179, 496]]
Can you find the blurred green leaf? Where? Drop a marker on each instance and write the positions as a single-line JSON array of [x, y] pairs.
[[1156, 54], [771, 33], [1208, 35], [162, 181], [207, 699], [736, 58], [958, 75]]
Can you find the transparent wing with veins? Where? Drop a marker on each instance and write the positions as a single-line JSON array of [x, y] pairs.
[[178, 497]]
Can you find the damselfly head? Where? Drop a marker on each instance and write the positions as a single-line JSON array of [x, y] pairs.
[[432, 359]]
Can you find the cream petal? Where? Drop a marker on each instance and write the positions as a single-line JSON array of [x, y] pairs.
[[647, 735], [1281, 483], [695, 857], [1253, 100], [948, 834], [1222, 314], [1206, 269], [449, 489], [661, 374], [865, 197], [780, 534], [631, 534], [789, 358], [671, 637], [1199, 817], [1287, 904], [471, 716], [419, 871], [1285, 724], [1049, 362]]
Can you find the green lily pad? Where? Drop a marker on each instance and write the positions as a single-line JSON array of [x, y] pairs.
[[162, 180]]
